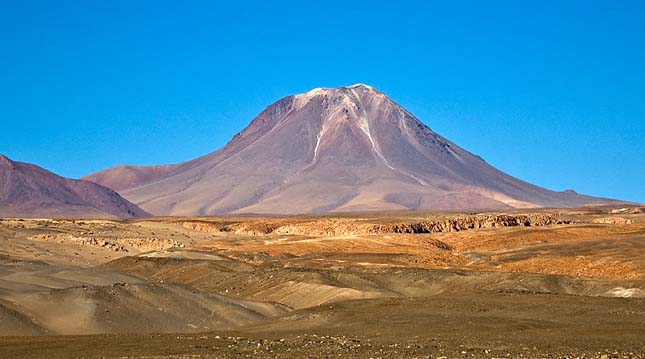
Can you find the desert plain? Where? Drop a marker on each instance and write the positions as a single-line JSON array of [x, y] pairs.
[[548, 283]]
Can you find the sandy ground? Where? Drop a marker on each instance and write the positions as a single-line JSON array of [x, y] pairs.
[[344, 286]]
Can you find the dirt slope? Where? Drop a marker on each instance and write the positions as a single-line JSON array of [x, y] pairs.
[[123, 177]]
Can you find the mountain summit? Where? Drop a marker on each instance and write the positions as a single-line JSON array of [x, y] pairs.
[[333, 150]]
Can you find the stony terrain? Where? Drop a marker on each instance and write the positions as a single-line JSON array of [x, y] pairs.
[[537, 284]]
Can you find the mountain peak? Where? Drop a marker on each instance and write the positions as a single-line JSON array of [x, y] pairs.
[[339, 90], [361, 86], [342, 98]]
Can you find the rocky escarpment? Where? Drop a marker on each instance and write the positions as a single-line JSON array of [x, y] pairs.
[[612, 220], [248, 228], [117, 245], [362, 226], [628, 210], [334, 228]]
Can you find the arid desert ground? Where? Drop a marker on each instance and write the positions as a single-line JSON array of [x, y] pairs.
[[537, 284]]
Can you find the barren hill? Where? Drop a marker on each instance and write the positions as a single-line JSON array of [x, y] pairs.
[[334, 150], [123, 177], [27, 190]]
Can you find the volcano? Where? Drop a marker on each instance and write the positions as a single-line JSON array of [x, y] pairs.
[[347, 149]]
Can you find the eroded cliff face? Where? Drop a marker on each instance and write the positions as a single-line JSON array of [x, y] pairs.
[[335, 228], [358, 226]]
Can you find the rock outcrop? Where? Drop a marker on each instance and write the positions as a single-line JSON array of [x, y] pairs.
[[352, 226], [612, 220]]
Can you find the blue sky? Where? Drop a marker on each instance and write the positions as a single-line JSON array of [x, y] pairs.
[[552, 92]]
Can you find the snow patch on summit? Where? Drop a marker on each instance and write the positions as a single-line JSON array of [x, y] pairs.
[[358, 85], [304, 98]]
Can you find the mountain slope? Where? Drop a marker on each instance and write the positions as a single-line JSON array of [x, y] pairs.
[[123, 177], [27, 190], [334, 150]]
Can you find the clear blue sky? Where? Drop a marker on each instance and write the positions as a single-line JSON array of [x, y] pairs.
[[552, 92]]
